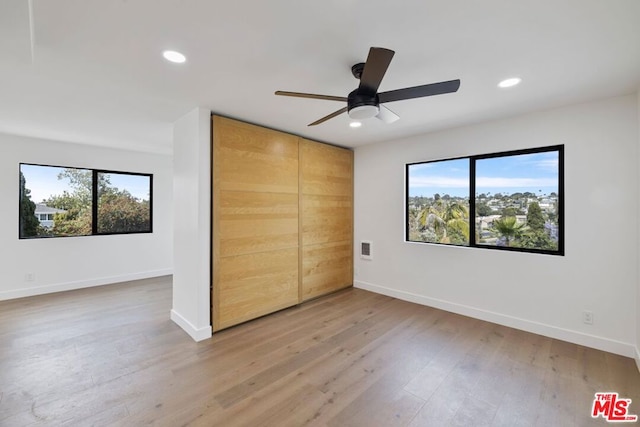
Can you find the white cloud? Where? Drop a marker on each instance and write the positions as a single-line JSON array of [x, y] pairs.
[[484, 181], [547, 164], [438, 181]]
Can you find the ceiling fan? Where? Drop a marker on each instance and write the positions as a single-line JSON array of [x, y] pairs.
[[365, 101]]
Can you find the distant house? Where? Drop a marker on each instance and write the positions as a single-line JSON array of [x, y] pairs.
[[45, 214]]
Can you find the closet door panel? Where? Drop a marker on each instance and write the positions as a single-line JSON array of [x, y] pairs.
[[326, 219], [255, 233], [257, 159], [325, 268], [255, 222], [257, 284]]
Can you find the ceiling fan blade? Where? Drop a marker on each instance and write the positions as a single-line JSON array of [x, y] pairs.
[[374, 69], [419, 91], [311, 95], [330, 116], [386, 115]]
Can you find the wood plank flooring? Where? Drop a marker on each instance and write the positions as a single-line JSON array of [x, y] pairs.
[[111, 356]]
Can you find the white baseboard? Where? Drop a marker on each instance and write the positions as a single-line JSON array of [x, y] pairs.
[[198, 334], [68, 286], [600, 343]]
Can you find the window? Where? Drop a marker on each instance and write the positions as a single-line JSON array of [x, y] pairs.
[[438, 202], [61, 201], [515, 197], [123, 203]]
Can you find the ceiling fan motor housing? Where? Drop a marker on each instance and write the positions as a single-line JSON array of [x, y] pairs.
[[362, 106]]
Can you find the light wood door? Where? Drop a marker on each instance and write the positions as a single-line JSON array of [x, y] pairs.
[[255, 222], [326, 219]]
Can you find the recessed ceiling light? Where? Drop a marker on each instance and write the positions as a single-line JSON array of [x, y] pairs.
[[355, 124], [509, 82], [173, 56]]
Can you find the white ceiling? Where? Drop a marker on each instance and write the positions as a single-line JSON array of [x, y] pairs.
[[93, 72]]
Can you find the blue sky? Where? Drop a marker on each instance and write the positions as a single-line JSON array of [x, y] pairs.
[[535, 173], [43, 182]]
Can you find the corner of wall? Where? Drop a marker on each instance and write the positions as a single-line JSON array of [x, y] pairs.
[[192, 208], [198, 334]]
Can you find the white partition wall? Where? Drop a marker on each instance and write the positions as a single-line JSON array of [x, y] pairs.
[[192, 223]]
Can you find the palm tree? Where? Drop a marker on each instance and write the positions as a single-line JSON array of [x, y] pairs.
[[508, 227], [454, 210], [445, 216], [431, 219]]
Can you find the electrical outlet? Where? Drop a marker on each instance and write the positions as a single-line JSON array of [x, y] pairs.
[[29, 277], [587, 317]]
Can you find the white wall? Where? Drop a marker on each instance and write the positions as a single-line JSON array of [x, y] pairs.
[[540, 293], [192, 226], [74, 262]]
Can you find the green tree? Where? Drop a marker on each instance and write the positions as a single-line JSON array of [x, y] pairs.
[[537, 239], [29, 224], [76, 220], [73, 222], [483, 209], [446, 222], [120, 212], [508, 228], [535, 217], [458, 231], [433, 225], [510, 211], [81, 180]]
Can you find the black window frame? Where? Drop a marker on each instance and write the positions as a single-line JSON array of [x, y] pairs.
[[472, 200], [94, 201]]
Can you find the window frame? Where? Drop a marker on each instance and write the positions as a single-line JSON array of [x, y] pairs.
[[94, 201], [472, 200]]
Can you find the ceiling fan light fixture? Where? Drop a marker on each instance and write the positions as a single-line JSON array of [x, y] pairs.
[[173, 56], [362, 112], [513, 81], [355, 124]]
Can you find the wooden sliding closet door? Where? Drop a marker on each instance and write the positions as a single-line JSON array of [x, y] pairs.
[[326, 218], [255, 222]]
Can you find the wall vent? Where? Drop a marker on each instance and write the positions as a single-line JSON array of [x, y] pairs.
[[365, 249]]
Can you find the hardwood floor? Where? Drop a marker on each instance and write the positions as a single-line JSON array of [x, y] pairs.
[[111, 356]]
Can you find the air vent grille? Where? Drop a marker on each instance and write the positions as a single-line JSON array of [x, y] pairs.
[[365, 249]]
